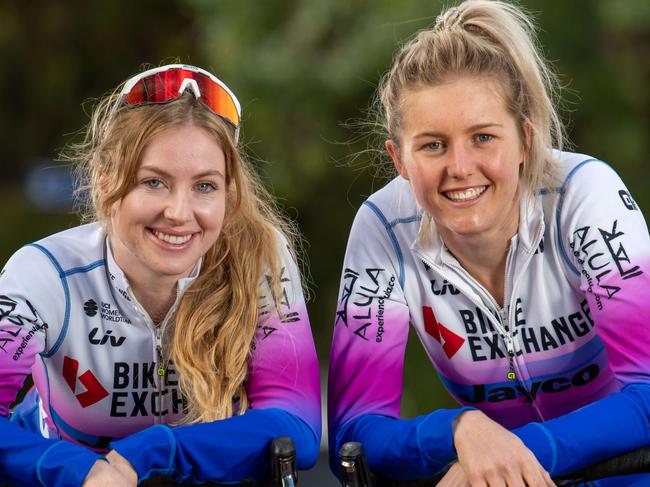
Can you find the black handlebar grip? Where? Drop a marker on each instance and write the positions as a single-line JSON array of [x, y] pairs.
[[283, 462], [636, 461], [352, 464]]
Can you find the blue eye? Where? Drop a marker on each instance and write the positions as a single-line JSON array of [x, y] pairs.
[[435, 145], [153, 183], [205, 187], [484, 137]]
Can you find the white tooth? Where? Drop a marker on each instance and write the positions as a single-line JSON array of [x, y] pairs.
[[172, 239], [465, 195]]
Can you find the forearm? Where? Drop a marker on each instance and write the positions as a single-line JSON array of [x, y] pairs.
[[228, 450], [27, 459], [404, 448], [613, 425]]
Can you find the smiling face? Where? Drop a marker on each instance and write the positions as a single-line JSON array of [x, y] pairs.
[[461, 150], [175, 210]]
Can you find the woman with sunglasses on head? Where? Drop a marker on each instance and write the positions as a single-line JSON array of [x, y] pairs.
[[169, 337], [524, 271]]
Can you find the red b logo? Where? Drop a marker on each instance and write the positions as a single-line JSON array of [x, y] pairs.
[[95, 392]]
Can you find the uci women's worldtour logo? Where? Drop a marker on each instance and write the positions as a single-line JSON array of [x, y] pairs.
[[90, 308], [105, 310]]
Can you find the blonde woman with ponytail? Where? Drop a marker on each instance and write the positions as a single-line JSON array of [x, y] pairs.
[[524, 270], [169, 335]]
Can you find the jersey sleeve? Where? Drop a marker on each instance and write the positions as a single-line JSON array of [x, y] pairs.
[[284, 370], [31, 300], [26, 307], [605, 244], [284, 393], [367, 360]]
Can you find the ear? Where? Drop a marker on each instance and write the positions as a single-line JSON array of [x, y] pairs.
[[102, 186], [393, 152]]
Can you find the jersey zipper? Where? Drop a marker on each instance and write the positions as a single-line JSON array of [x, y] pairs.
[[504, 312], [161, 371], [500, 322]]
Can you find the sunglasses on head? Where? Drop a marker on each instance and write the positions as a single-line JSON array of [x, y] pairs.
[[166, 83]]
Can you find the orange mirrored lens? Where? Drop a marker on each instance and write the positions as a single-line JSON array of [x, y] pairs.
[[164, 86]]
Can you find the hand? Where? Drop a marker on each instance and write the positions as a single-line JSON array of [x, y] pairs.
[[103, 474], [490, 455], [123, 466], [455, 477]]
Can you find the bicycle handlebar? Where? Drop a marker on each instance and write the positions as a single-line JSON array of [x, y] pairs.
[[355, 473], [283, 463], [636, 461]]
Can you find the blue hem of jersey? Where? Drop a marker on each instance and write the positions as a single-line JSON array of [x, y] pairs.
[[558, 211], [80, 436], [408, 219], [391, 235], [89, 267]]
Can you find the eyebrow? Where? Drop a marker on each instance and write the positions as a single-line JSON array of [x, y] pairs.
[[473, 128], [164, 173]]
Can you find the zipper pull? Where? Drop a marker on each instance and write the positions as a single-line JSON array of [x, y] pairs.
[[161, 369], [511, 358]]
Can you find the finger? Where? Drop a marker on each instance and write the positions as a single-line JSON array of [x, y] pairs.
[[536, 476], [547, 479], [515, 480], [496, 477], [455, 477]]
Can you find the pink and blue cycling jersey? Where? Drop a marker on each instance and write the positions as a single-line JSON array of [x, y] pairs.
[[565, 363], [69, 317]]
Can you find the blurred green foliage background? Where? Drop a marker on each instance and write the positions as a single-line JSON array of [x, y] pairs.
[[302, 70]]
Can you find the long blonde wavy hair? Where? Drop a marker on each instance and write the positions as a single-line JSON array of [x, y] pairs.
[[211, 340]]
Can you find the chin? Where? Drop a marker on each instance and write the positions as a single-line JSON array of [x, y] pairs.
[[173, 270], [467, 228]]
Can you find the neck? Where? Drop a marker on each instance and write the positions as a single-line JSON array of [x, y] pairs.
[[484, 257], [156, 298], [155, 292]]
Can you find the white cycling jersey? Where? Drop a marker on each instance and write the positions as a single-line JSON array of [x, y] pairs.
[[69, 317], [575, 326]]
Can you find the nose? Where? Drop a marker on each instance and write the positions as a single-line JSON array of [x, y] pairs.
[[178, 208], [461, 162]]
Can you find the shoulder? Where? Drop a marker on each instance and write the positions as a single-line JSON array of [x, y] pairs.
[[393, 201], [74, 248], [580, 171]]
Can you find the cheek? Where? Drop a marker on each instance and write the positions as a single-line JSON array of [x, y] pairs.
[[211, 216], [425, 182]]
